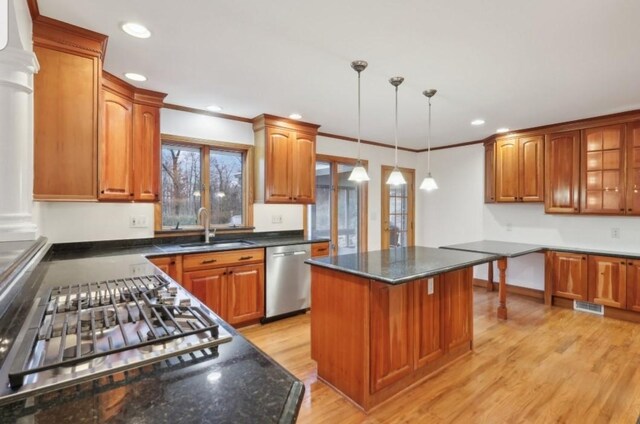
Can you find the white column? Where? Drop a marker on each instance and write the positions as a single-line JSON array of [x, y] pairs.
[[17, 66]]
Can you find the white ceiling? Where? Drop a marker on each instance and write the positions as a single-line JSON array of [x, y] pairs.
[[515, 64]]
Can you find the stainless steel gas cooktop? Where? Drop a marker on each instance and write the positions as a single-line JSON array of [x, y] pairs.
[[84, 331]]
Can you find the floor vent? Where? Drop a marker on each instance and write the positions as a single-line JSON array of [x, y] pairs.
[[591, 308]]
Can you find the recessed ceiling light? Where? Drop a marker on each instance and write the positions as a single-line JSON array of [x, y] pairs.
[[135, 77], [477, 122], [214, 108], [295, 116], [136, 30], [502, 130]]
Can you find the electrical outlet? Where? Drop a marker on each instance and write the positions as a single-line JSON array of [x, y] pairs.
[[430, 286], [139, 221], [615, 233], [276, 219]]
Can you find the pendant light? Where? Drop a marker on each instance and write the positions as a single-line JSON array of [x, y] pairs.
[[359, 173], [429, 183], [396, 178]]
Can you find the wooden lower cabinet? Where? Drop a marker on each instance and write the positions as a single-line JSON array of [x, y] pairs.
[[608, 281], [569, 276], [319, 249], [414, 324], [170, 265], [633, 285], [209, 287], [245, 293], [391, 333], [429, 342]]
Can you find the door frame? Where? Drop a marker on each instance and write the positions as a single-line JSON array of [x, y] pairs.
[[363, 200], [410, 176]]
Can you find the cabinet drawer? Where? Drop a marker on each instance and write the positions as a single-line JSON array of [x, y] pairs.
[[216, 259], [319, 249]]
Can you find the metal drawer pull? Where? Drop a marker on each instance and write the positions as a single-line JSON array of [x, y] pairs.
[[244, 258], [208, 261]]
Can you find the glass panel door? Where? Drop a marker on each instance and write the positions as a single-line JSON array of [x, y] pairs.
[[319, 215], [397, 210], [348, 205]]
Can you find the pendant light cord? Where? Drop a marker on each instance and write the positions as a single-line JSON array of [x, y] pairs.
[[429, 141], [359, 118], [396, 129]]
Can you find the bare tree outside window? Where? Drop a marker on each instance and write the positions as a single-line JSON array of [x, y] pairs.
[[181, 185], [225, 173]]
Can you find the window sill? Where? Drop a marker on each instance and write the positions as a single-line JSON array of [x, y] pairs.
[[194, 231]]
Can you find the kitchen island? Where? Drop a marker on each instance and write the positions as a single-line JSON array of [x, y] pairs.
[[383, 321]]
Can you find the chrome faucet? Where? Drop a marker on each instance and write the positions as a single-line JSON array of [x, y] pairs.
[[205, 223]]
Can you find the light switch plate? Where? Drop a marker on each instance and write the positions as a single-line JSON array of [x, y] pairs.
[[276, 219], [139, 221]]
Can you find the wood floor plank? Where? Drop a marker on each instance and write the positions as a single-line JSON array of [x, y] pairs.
[[543, 365]]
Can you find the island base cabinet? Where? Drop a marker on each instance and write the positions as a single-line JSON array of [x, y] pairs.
[[372, 340]]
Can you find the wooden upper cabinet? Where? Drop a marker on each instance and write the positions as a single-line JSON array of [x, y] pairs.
[[115, 154], [285, 160], [429, 343], [633, 285], [569, 276], [66, 97], [603, 170], [146, 152], [608, 281], [531, 168], [519, 171], [278, 173], [633, 168], [391, 336], [562, 172], [507, 170], [490, 172], [304, 159]]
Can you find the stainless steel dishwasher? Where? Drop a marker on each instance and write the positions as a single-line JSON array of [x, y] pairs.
[[288, 285]]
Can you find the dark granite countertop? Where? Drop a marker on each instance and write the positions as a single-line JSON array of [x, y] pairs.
[[512, 250], [403, 264], [171, 246], [239, 384]]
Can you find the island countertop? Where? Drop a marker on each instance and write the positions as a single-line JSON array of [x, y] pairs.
[[402, 264]]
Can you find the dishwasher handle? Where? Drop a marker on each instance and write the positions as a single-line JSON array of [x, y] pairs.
[[296, 253]]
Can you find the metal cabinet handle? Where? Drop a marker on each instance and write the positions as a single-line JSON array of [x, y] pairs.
[[208, 261], [244, 258]]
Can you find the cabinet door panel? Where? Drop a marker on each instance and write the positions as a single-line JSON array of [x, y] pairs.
[[562, 172], [146, 152], [65, 127], [209, 287], [303, 168], [531, 172], [633, 285], [115, 153], [245, 289], [603, 184], [458, 307], [278, 166], [570, 276], [391, 333], [608, 281], [490, 173], [429, 342], [170, 265], [507, 184], [633, 169]]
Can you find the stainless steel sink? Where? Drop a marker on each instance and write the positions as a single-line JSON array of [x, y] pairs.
[[221, 244]]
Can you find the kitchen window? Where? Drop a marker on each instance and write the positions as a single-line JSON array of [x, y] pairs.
[[200, 173]]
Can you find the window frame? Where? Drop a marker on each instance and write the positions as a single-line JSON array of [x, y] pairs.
[[205, 147], [363, 200]]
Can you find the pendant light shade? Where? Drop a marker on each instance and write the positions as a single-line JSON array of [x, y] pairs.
[[359, 173], [429, 183], [396, 177]]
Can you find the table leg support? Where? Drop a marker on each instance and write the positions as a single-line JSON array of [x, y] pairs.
[[502, 291], [490, 277]]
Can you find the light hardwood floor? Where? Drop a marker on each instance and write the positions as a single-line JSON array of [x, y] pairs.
[[544, 365]]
